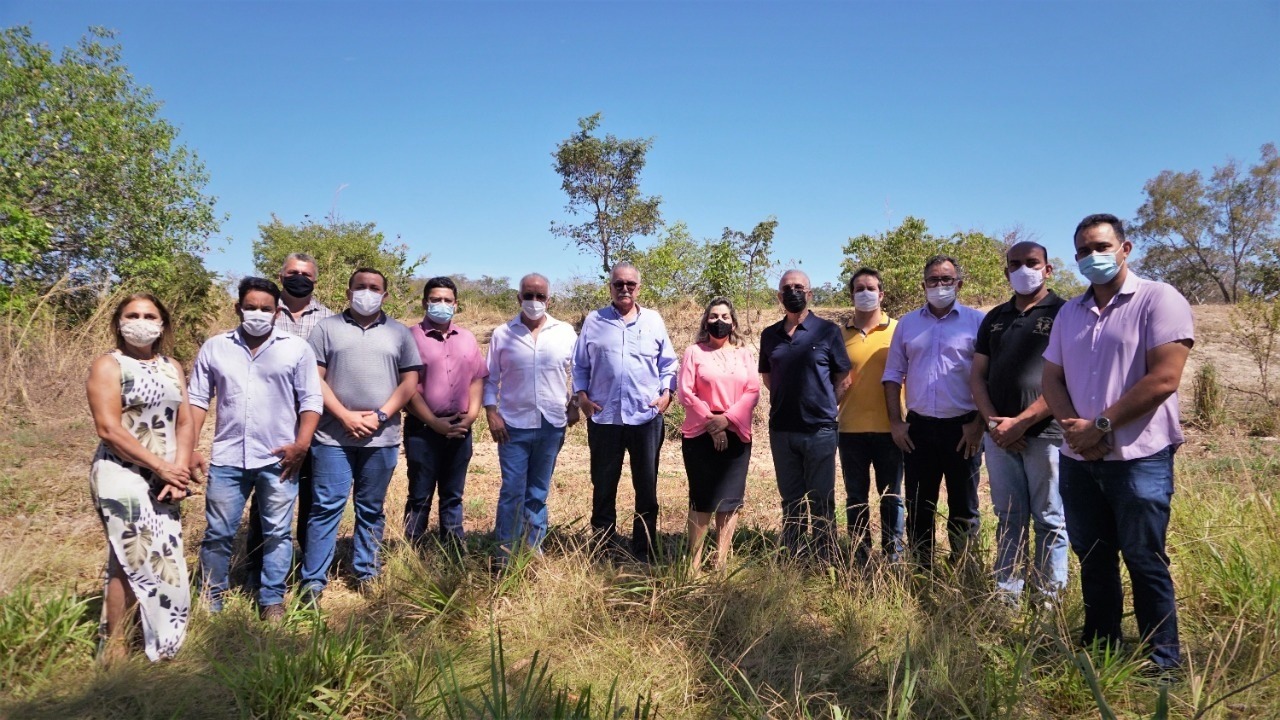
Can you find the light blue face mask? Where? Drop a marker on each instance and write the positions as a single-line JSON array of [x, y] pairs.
[[1099, 268], [440, 312]]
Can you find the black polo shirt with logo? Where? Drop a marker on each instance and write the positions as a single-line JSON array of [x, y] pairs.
[[1015, 343]]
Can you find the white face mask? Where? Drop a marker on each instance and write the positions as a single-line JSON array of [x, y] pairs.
[[257, 322], [140, 332], [941, 296], [866, 300], [1026, 281], [366, 302], [533, 309]]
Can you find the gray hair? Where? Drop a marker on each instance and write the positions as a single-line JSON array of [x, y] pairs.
[[535, 276], [301, 257], [939, 259], [624, 265], [795, 271]]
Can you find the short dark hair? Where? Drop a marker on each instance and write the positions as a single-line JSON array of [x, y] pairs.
[[866, 271], [1044, 252], [939, 259], [371, 271], [440, 282], [250, 284], [1099, 219]]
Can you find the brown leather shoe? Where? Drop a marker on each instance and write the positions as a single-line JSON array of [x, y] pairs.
[[273, 614]]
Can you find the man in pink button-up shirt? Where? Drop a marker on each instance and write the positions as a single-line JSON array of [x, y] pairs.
[[1111, 375], [438, 432]]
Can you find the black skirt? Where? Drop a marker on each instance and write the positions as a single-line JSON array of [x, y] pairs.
[[717, 478]]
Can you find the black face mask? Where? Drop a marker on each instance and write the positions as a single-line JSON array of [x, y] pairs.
[[299, 286], [719, 329], [794, 300]]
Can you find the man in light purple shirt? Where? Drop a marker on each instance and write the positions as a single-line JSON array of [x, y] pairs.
[[1111, 375], [438, 428], [624, 372], [268, 404], [932, 352]]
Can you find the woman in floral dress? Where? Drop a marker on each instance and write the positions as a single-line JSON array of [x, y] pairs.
[[140, 472]]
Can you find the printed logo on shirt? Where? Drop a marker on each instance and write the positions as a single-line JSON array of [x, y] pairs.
[[1043, 326]]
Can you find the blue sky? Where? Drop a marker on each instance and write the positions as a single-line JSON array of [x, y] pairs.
[[438, 119]]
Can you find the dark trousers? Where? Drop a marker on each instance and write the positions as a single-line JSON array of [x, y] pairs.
[[935, 457], [608, 443], [253, 544], [805, 463], [437, 465], [1120, 509], [859, 454]]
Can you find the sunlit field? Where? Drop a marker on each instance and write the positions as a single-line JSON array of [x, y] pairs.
[[569, 635]]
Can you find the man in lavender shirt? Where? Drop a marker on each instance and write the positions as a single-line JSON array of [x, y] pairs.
[[437, 441], [268, 404], [624, 371], [932, 352], [1111, 375]]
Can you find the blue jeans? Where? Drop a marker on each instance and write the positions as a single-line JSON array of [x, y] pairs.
[[805, 463], [859, 454], [336, 470], [1024, 489], [228, 491], [528, 460], [1121, 509], [437, 465]]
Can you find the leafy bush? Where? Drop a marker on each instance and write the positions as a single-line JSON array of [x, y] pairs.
[[40, 636]]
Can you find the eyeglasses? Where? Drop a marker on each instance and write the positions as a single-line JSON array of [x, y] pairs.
[[625, 285], [797, 286], [936, 281], [540, 297]]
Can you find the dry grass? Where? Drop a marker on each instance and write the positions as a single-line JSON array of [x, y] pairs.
[[767, 638]]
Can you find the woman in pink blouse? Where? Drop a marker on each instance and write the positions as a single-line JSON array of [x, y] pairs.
[[719, 388]]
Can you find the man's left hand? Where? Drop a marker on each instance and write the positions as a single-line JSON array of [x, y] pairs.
[[1007, 432], [662, 403], [291, 457], [1082, 435], [971, 441]]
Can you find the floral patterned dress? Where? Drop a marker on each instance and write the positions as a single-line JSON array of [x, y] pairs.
[[144, 535]]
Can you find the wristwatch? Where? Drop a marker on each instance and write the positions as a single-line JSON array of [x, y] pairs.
[[1102, 424], [992, 425], [382, 417]]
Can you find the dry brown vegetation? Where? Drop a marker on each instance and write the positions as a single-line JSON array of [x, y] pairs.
[[765, 638]]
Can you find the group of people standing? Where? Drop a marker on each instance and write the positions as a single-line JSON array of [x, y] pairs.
[[1073, 403]]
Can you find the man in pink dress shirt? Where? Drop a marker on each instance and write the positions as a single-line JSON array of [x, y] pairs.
[[1111, 375], [438, 430]]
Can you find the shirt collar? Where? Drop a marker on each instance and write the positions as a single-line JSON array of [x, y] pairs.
[[313, 305], [1128, 287], [429, 329], [382, 318], [238, 339], [550, 321], [1049, 300], [884, 321], [618, 316], [955, 310]]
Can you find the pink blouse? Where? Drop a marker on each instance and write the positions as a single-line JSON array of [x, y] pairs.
[[721, 381]]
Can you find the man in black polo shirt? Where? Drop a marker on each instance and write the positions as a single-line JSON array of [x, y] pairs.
[[1022, 437], [803, 363]]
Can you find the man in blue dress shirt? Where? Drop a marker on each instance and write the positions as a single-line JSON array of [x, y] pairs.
[[624, 372]]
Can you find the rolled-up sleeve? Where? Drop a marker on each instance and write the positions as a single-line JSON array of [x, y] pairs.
[[492, 363], [199, 385], [306, 383], [895, 366], [668, 364], [582, 357]]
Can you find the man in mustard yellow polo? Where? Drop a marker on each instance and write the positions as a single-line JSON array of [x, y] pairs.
[[865, 438]]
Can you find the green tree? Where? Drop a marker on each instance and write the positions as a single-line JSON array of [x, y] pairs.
[[1215, 238], [671, 267], [94, 186], [601, 176], [899, 255], [339, 247]]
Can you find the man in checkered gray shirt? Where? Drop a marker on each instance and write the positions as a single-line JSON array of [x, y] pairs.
[[299, 313]]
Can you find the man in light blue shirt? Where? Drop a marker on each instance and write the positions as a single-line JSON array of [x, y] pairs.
[[932, 352], [268, 395], [624, 372]]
